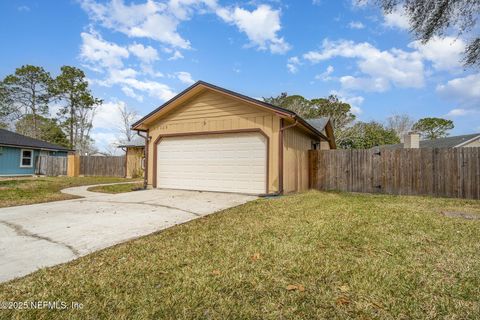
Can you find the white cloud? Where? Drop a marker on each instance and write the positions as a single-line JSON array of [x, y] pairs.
[[96, 51], [459, 112], [380, 69], [356, 25], [153, 88], [293, 63], [366, 84], [359, 3], [107, 116], [176, 55], [185, 77], [445, 53], [151, 20], [160, 21], [325, 76], [146, 54], [129, 92], [23, 8], [465, 90], [354, 101], [397, 19], [260, 25]]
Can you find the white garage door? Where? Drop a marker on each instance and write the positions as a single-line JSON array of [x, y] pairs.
[[234, 162]]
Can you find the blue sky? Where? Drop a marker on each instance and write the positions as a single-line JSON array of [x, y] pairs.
[[140, 53]]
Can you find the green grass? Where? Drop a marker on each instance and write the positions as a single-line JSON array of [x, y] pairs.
[[349, 256], [20, 191], [117, 188]]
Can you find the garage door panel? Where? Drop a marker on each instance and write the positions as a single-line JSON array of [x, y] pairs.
[[221, 162]]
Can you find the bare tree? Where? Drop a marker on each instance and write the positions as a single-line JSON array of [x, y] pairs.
[[400, 123], [128, 117]]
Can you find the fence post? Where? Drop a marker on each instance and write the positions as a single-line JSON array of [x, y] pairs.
[[73, 165]]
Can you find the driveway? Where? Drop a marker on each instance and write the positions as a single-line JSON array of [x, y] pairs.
[[41, 235]]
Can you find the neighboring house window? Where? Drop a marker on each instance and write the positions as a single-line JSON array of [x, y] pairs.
[[26, 158]]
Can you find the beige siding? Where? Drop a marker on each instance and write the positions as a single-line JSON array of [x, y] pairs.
[[134, 162], [475, 143], [295, 160], [211, 111]]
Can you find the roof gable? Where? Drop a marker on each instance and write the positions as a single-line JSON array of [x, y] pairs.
[[197, 88], [200, 86]]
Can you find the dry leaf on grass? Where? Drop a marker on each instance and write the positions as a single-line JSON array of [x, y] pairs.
[[344, 288], [216, 272], [343, 301], [256, 256], [292, 287]]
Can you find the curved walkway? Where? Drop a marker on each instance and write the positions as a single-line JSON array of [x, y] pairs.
[[82, 191], [46, 234]]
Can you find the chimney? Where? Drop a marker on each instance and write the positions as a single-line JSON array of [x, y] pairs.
[[411, 141]]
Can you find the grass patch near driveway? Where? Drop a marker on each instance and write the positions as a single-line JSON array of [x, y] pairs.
[[117, 188], [21, 191], [305, 256]]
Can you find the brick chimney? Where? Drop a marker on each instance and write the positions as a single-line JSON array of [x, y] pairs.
[[411, 141]]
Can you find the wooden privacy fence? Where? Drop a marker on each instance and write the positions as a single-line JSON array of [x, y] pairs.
[[51, 166], [102, 166], [452, 172]]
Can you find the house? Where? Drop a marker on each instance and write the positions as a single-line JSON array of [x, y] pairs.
[[135, 157], [213, 139], [412, 140], [18, 153]]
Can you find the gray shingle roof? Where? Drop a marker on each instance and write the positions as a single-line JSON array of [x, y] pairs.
[[448, 142], [137, 141], [318, 123], [9, 138]]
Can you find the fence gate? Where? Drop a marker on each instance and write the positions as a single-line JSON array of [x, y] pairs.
[[51, 166], [447, 172]]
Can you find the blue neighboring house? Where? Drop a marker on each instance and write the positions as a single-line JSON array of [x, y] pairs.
[[18, 153]]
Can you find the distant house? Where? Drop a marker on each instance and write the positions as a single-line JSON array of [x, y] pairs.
[[135, 153], [18, 153], [413, 141]]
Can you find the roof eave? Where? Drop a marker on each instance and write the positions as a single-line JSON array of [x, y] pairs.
[[34, 147]]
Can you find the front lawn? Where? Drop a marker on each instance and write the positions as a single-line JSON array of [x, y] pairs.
[[117, 188], [20, 191], [306, 256]]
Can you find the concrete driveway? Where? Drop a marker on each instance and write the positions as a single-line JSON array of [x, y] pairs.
[[41, 235]]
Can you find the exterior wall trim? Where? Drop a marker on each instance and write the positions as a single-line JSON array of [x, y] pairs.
[[200, 133], [280, 157]]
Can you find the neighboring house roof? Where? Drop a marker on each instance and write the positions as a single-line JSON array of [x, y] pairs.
[[319, 123], [137, 141], [202, 84], [448, 142], [13, 139]]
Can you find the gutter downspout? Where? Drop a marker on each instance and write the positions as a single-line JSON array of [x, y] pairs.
[[280, 153], [145, 154]]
